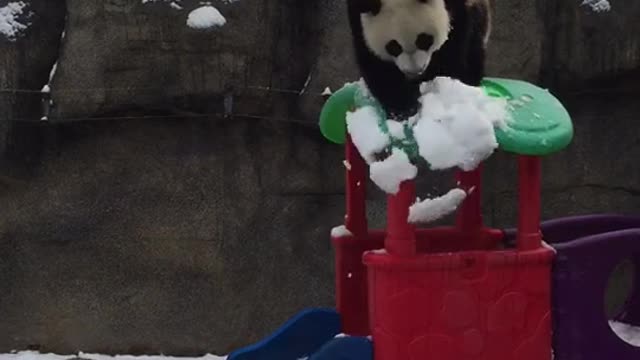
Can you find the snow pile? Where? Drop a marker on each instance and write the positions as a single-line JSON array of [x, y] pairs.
[[10, 25], [366, 135], [391, 172], [455, 127], [628, 333], [32, 355], [205, 17], [436, 208], [396, 129], [597, 5]]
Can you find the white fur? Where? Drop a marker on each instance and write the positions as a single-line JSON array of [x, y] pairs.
[[403, 21], [414, 64]]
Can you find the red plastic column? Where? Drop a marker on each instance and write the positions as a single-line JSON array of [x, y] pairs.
[[469, 216], [529, 172], [356, 191], [351, 275], [401, 235]]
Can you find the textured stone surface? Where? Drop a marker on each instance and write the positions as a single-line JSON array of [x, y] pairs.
[[184, 233], [25, 63], [581, 45]]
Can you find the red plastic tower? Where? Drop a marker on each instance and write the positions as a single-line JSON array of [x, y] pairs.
[[445, 293]]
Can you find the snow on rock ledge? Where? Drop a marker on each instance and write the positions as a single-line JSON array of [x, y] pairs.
[[11, 24], [205, 17]]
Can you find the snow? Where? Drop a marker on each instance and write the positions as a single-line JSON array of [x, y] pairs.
[[391, 172], [32, 355], [347, 165], [546, 245], [10, 23], [205, 17], [362, 125], [175, 4], [455, 126], [54, 68], [628, 333], [396, 129], [378, 251], [339, 231], [47, 87], [597, 5], [306, 85], [436, 208]]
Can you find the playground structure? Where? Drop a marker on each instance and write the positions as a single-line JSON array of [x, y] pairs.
[[469, 291]]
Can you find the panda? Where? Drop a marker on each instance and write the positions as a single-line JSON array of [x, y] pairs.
[[400, 44]]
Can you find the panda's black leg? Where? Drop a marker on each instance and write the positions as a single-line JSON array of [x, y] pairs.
[[476, 50], [475, 70]]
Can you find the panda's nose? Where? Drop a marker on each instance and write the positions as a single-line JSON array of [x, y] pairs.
[[424, 41]]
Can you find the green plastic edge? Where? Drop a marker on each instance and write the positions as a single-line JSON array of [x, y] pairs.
[[540, 125], [333, 117]]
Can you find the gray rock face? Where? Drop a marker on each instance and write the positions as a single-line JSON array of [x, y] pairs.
[[26, 61], [167, 227]]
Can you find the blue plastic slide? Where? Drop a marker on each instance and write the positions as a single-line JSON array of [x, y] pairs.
[[309, 335]]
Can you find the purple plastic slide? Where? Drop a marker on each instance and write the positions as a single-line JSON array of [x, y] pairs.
[[589, 249]]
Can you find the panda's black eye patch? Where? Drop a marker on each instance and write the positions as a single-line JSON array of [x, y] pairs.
[[424, 41], [394, 48]]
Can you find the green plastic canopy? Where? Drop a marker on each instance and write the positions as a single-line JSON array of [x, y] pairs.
[[539, 125]]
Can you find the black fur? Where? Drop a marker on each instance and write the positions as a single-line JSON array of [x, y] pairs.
[[462, 57]]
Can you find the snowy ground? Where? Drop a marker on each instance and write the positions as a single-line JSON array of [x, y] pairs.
[[626, 332], [30, 355]]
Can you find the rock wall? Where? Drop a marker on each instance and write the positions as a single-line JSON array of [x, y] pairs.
[[139, 219]]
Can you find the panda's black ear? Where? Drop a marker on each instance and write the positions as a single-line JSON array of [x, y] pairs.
[[367, 6]]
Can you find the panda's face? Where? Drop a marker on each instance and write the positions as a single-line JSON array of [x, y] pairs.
[[406, 32]]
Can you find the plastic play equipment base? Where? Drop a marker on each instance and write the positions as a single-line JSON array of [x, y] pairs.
[[588, 248]]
